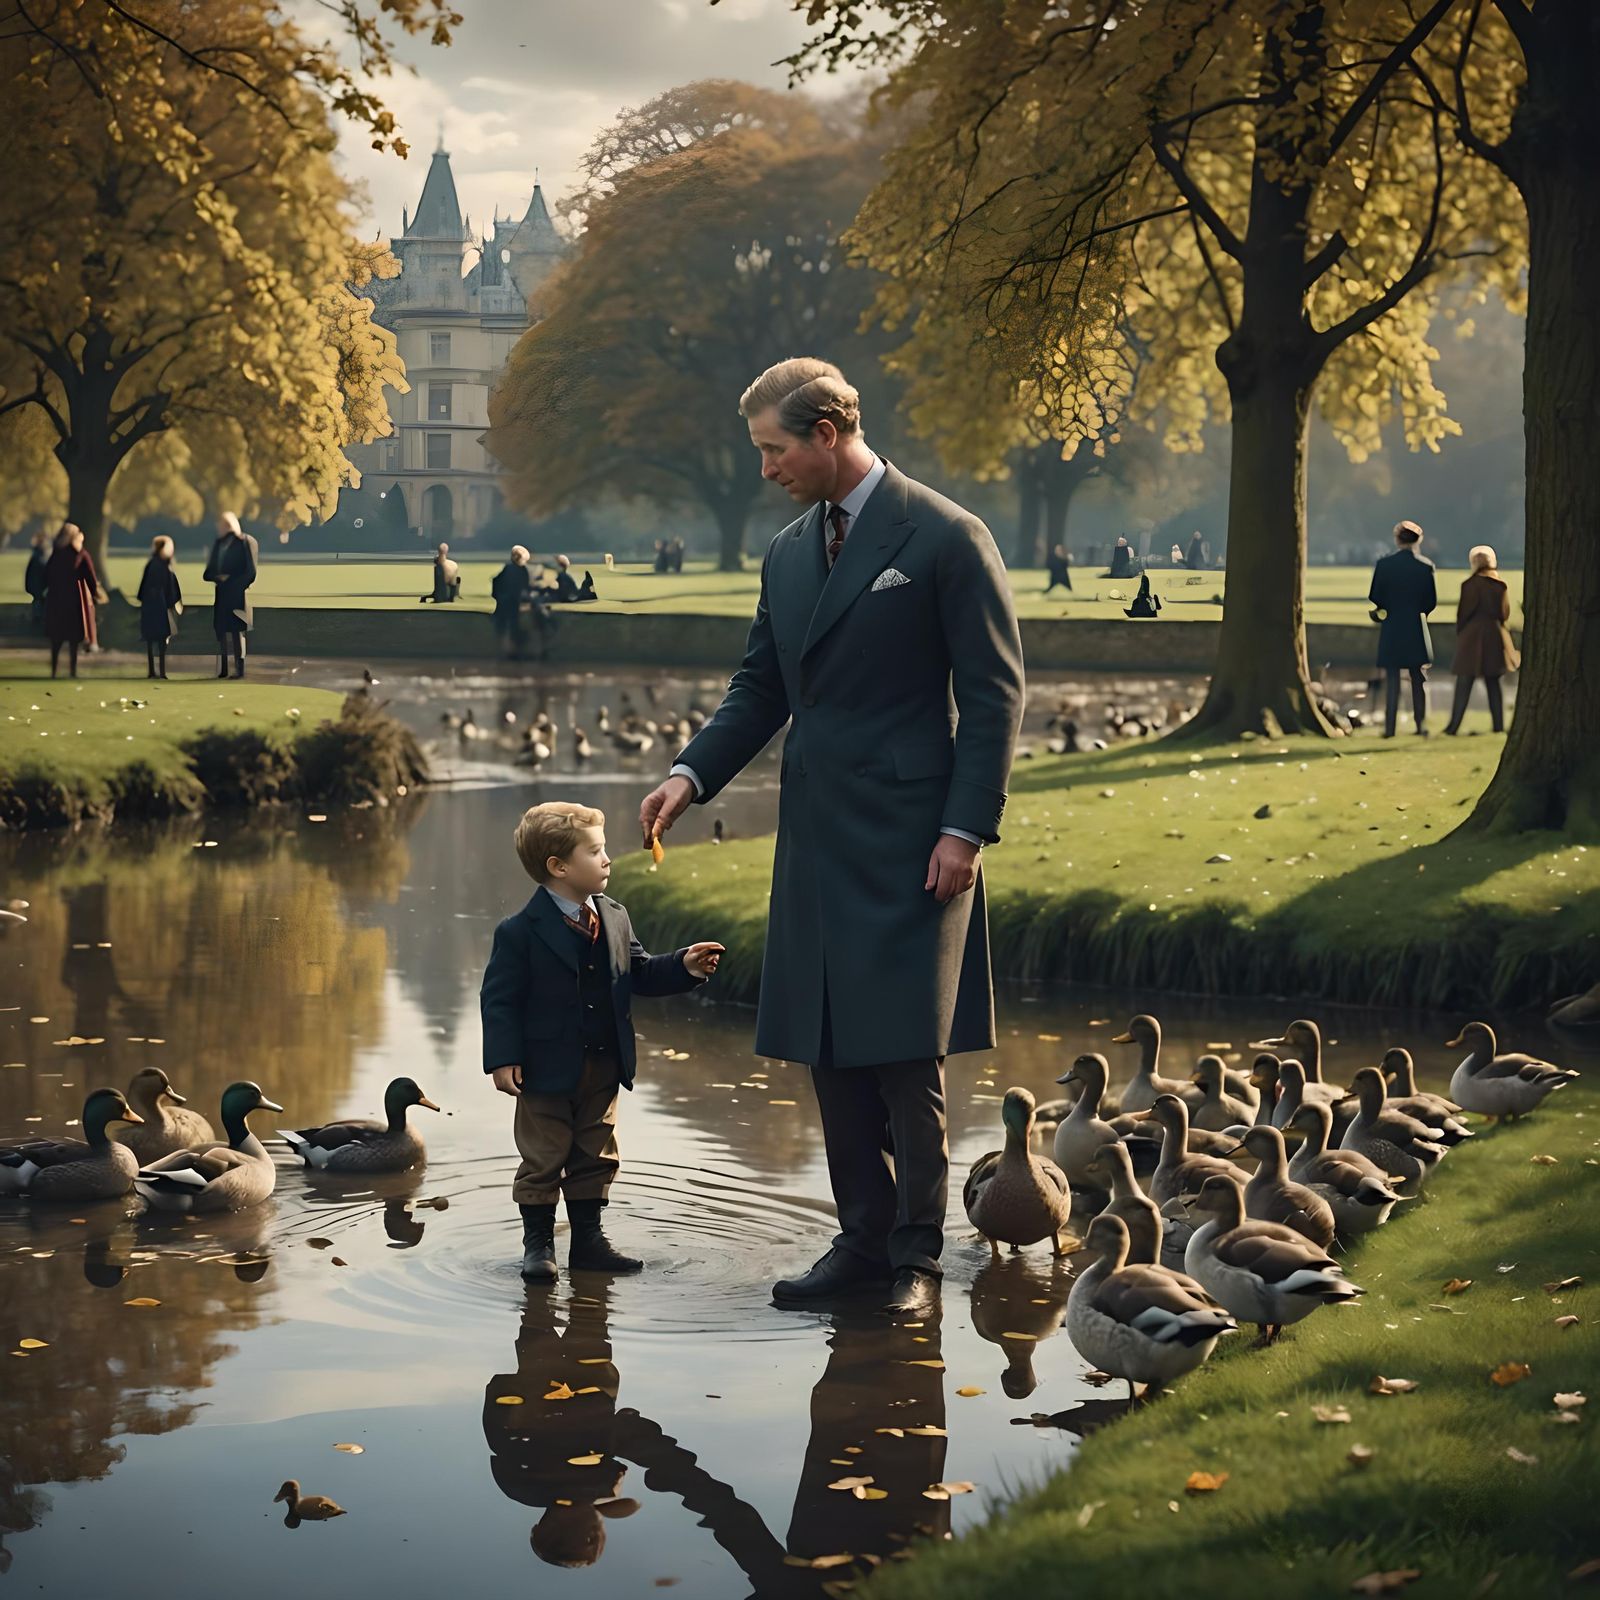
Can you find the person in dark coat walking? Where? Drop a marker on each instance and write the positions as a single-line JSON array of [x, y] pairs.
[[1121, 559], [71, 591], [511, 587], [885, 636], [1196, 558], [1058, 564], [160, 605], [232, 568], [1483, 641], [446, 579], [35, 580], [1402, 596]]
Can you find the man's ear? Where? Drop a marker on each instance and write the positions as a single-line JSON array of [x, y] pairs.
[[825, 433]]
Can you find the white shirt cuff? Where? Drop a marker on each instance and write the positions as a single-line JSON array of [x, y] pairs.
[[681, 771], [961, 833]]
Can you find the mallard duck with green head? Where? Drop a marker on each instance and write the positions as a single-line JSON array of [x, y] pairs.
[[217, 1177], [92, 1168], [364, 1144]]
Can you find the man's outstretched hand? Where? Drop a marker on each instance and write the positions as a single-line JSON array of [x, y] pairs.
[[663, 806], [952, 868]]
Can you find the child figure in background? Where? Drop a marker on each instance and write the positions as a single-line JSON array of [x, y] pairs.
[[160, 604]]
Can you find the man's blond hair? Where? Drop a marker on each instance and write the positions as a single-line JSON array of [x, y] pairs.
[[552, 829], [805, 390]]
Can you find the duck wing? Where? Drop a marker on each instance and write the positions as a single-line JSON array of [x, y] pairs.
[[1271, 1252], [1162, 1305], [196, 1168], [983, 1169], [334, 1135], [43, 1152]]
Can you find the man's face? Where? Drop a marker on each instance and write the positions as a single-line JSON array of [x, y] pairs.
[[805, 469], [587, 870]]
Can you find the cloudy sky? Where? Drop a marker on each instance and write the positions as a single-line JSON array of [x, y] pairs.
[[528, 83]]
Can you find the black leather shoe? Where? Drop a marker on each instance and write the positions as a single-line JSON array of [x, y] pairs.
[[839, 1272], [913, 1294], [591, 1251], [539, 1244]]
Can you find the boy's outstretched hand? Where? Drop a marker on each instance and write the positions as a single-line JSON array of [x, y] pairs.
[[702, 959]]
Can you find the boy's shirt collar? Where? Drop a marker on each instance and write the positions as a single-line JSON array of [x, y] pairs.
[[569, 908]]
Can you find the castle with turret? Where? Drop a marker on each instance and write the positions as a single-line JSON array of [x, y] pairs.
[[455, 325]]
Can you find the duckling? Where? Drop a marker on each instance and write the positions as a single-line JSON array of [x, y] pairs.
[[1440, 1114], [1181, 1171], [1083, 1131], [306, 1507], [91, 1168], [467, 727], [1260, 1272], [581, 748], [1509, 1085], [1112, 1168], [1357, 1190], [216, 1177], [363, 1144], [1140, 1323], [168, 1123], [1294, 1091], [1147, 1083], [1272, 1196], [1013, 1196], [1304, 1038], [1405, 1148], [1218, 1110], [602, 721]]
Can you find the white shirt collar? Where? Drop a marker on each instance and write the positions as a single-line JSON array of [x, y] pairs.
[[853, 502], [569, 908]]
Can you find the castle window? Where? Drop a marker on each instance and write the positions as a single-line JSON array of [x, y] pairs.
[[439, 400], [439, 349], [438, 451]]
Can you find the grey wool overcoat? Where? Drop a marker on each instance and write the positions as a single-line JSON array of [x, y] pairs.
[[900, 673]]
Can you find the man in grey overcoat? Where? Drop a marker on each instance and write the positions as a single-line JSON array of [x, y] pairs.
[[885, 636], [1403, 593]]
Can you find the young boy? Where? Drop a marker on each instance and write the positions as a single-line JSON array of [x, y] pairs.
[[558, 1029]]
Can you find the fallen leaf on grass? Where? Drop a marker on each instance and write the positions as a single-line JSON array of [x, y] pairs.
[[1457, 1285], [1566, 1416], [1204, 1482], [943, 1491], [1542, 1161], [1570, 1402], [1568, 1321], [141, 1300], [1521, 1457], [969, 1392], [1510, 1372], [1386, 1582], [1360, 1455], [1563, 1283], [1383, 1385], [1585, 1569], [352, 1449], [1330, 1413]]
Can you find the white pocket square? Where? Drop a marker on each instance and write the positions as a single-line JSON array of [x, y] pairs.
[[889, 578]]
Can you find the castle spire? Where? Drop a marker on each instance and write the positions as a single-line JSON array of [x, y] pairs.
[[438, 213]]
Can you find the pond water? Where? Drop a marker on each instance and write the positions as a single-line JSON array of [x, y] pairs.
[[322, 959]]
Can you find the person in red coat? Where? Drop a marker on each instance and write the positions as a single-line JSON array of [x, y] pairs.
[[1483, 641], [71, 589]]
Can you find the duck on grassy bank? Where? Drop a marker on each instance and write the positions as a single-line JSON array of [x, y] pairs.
[[1272, 1195], [1441, 1114], [1357, 1190], [1502, 1085], [1405, 1148]]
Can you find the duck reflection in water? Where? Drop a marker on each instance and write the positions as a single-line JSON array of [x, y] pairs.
[[1019, 1295], [568, 1457]]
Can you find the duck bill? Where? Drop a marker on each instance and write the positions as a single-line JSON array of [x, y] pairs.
[[1068, 1077], [1122, 1038], [1450, 1044], [130, 1115], [1268, 1044], [1197, 1080], [425, 1101], [176, 1098], [265, 1104], [1238, 1150]]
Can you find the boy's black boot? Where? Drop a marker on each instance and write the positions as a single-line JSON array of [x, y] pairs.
[[591, 1251], [538, 1243]]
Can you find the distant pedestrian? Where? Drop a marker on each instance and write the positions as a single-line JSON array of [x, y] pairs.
[[1197, 558], [677, 555], [1402, 595], [1176, 554], [71, 589], [160, 605], [663, 561], [511, 587], [35, 581], [232, 568], [1483, 641], [1121, 559], [1146, 603], [446, 579], [1059, 566]]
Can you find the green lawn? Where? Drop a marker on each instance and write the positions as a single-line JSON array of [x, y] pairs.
[[1333, 594], [1348, 889], [1442, 1496]]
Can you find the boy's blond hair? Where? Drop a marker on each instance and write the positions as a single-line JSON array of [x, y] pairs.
[[552, 830]]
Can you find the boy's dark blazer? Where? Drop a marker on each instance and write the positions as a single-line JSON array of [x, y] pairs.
[[529, 999]]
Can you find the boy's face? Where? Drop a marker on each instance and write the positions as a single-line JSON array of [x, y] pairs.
[[587, 870]]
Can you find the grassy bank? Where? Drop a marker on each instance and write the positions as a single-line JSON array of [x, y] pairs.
[[1333, 594], [1441, 1495], [101, 747], [1346, 889]]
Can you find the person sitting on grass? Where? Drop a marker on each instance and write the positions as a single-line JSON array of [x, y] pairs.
[[568, 591], [446, 579], [564, 1048], [1146, 603], [160, 604]]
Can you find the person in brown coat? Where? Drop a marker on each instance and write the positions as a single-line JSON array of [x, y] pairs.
[[71, 589], [1483, 641]]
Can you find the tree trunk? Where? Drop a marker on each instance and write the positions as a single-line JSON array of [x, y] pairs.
[[1026, 551], [1549, 772], [88, 480], [1062, 481], [731, 520]]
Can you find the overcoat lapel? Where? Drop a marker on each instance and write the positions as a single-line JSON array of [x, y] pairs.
[[615, 934], [793, 596], [869, 547], [551, 926]]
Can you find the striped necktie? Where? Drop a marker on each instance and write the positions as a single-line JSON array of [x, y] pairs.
[[586, 923], [839, 521]]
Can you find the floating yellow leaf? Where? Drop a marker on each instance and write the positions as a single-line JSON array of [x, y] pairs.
[[968, 1392], [508, 1399], [1457, 1285], [559, 1391], [928, 1432], [141, 1300], [819, 1563], [781, 1102], [1050, 1038], [590, 1388], [934, 1362], [585, 1461], [1204, 1482], [33, 1344], [594, 1361], [850, 1485], [872, 1494], [1510, 1372], [352, 1449], [1032, 1337], [894, 1433], [943, 1491]]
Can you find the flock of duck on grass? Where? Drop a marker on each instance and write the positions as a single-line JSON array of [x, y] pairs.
[[1188, 1244], [170, 1155]]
